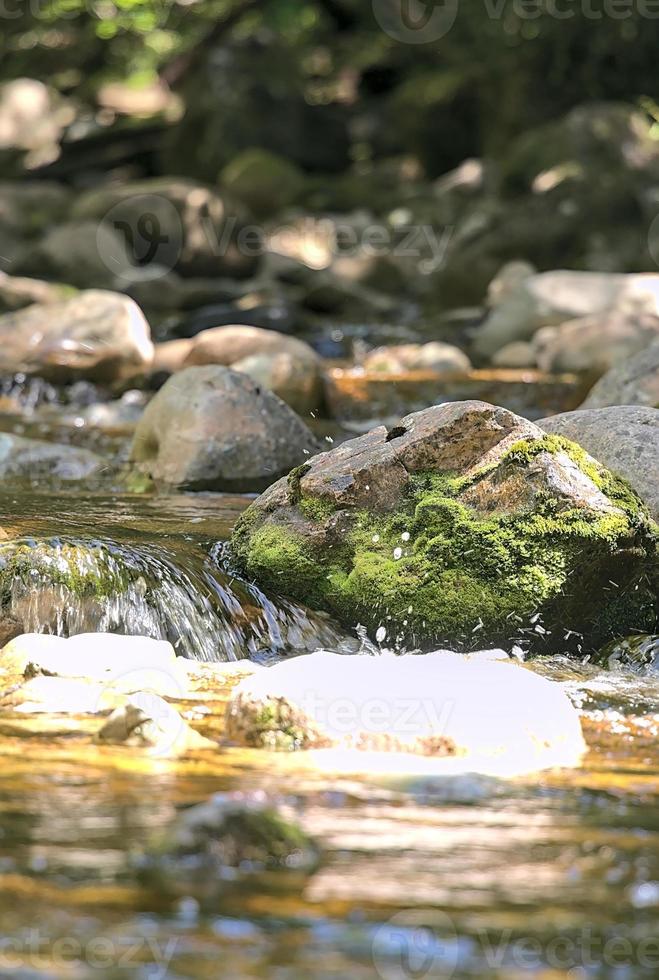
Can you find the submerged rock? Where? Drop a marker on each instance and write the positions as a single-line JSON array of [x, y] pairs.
[[95, 335], [210, 428], [440, 704], [355, 395], [463, 523], [148, 721], [634, 382], [625, 438], [36, 461], [75, 586], [238, 831]]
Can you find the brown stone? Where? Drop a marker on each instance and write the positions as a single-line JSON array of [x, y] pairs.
[[95, 335]]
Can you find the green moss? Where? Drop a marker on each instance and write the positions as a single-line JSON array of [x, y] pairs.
[[136, 482], [277, 726], [59, 565], [294, 477], [612, 486], [315, 509], [278, 557], [438, 570]]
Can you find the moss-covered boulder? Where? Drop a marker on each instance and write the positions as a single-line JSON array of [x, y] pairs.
[[464, 523]]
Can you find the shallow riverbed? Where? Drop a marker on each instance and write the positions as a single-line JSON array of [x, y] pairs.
[[552, 876]]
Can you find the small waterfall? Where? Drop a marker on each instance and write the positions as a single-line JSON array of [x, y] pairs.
[[77, 585]]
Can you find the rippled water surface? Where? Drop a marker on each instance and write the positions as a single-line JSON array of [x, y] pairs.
[[166, 553], [553, 876]]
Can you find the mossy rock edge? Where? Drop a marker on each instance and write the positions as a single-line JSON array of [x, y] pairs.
[[437, 570]]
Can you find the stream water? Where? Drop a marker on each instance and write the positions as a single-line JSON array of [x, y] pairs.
[[555, 876]]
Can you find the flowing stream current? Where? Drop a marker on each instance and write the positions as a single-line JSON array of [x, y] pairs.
[[167, 586], [549, 877]]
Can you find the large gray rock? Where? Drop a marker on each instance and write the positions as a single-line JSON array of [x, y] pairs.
[[624, 438], [462, 523], [634, 382], [594, 344], [95, 335], [440, 704], [551, 298], [213, 428], [36, 461], [285, 365]]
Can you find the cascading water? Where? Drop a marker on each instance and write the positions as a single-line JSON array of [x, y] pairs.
[[75, 585]]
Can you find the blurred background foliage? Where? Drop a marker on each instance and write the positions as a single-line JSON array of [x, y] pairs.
[[466, 94]]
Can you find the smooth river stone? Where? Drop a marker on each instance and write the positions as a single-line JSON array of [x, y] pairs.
[[480, 713]]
